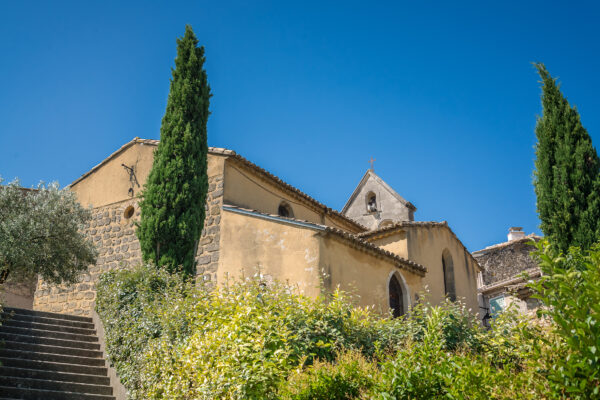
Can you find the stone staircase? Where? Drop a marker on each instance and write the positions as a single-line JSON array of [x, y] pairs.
[[50, 356]]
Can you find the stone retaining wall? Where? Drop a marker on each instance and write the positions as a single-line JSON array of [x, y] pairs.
[[118, 247]]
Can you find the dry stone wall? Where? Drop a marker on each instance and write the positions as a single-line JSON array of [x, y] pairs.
[[118, 247]]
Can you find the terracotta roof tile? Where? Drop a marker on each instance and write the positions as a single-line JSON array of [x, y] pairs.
[[498, 246]]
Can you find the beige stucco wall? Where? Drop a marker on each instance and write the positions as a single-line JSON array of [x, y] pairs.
[[364, 274], [425, 245], [246, 189], [277, 250], [110, 183], [311, 258]]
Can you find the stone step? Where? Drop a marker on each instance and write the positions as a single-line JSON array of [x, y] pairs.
[[50, 349], [44, 320], [52, 366], [58, 356], [48, 327], [51, 356], [12, 373], [48, 334], [14, 337], [45, 314], [31, 382]]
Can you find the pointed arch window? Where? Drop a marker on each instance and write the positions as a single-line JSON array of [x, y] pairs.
[[448, 270], [396, 296]]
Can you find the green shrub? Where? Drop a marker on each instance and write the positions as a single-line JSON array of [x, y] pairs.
[[137, 306], [351, 376], [171, 339], [570, 290], [436, 369]]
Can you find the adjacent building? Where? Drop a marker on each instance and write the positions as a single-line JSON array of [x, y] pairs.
[[507, 268]]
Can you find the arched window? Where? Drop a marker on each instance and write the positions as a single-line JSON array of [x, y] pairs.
[[396, 296], [285, 210], [448, 270], [371, 202]]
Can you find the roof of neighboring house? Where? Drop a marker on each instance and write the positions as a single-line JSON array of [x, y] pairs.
[[402, 225], [234, 156], [351, 239], [363, 181], [502, 245]]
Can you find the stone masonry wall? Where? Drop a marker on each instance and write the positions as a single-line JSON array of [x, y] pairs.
[[505, 262], [118, 247]]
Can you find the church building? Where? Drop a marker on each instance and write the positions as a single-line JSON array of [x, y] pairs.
[[257, 223]]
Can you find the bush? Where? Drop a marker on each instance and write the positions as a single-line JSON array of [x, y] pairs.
[[137, 306], [435, 368], [570, 290], [171, 339], [351, 376]]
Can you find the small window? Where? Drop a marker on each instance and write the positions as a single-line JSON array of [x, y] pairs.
[[371, 202], [497, 304], [285, 210], [128, 213]]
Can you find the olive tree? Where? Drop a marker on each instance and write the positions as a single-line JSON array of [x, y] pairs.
[[41, 233]]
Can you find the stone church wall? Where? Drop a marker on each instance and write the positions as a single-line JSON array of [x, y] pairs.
[[118, 247]]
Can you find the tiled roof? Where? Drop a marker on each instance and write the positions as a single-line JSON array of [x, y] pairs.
[[353, 240], [402, 224], [233, 155], [382, 232], [502, 245]]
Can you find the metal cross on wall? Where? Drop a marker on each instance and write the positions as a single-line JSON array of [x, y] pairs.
[[132, 179]]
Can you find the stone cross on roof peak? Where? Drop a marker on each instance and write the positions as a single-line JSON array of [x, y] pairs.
[[372, 161]]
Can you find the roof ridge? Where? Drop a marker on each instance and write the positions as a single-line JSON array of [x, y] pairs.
[[508, 243]]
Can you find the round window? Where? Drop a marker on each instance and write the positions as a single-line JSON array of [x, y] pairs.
[[128, 213]]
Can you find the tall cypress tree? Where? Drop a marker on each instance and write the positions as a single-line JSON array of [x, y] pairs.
[[567, 171], [174, 196]]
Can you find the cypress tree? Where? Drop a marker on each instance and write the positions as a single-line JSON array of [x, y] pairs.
[[567, 168], [173, 200]]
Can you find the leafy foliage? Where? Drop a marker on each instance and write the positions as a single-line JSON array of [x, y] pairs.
[[137, 306], [570, 288], [169, 338], [41, 233], [566, 177], [351, 376], [173, 200]]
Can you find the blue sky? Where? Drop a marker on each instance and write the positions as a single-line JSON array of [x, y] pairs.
[[442, 94]]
